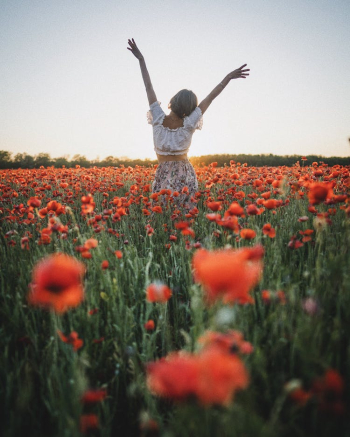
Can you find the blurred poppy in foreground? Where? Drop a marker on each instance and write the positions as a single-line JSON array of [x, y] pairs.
[[57, 283], [211, 377], [231, 341], [228, 274], [319, 192]]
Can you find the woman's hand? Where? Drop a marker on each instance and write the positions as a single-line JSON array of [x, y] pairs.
[[134, 49], [239, 73]]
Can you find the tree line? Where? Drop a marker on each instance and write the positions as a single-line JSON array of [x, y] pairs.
[[23, 160]]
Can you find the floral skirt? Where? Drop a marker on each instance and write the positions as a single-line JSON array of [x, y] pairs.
[[176, 176]]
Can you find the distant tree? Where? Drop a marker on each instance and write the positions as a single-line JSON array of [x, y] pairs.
[[5, 159], [110, 161], [62, 161], [22, 160], [80, 160], [42, 159]]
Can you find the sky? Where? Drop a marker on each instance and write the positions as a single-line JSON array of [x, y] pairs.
[[68, 84]]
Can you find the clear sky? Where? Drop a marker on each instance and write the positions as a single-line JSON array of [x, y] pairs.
[[68, 84]]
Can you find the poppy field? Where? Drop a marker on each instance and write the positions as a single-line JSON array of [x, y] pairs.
[[122, 313]]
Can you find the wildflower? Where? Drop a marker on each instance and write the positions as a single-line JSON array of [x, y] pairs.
[[150, 230], [281, 297], [118, 254], [294, 243], [329, 391], [300, 396], [149, 326], [182, 225], [93, 311], [310, 306], [93, 396], [88, 204], [213, 217], [230, 222], [157, 209], [90, 243], [25, 243], [212, 377], [228, 274], [247, 234], [158, 292], [34, 202], [72, 339], [319, 192], [188, 231], [148, 426], [214, 206], [88, 422], [234, 209], [266, 296], [252, 209], [231, 341], [269, 230], [174, 377], [271, 203], [104, 264], [57, 283], [220, 375]]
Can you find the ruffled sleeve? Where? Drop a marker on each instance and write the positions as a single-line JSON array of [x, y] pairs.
[[194, 120], [156, 114]]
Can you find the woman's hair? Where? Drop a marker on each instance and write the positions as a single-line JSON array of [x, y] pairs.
[[183, 103]]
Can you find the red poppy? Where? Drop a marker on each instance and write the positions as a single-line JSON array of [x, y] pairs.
[[104, 264], [158, 292], [220, 375], [247, 234], [234, 209], [88, 422], [271, 203], [72, 339], [252, 210], [149, 325], [212, 377], [214, 206], [173, 377], [269, 230], [231, 341], [157, 209], [228, 274], [93, 396], [319, 192], [34, 202], [57, 283]]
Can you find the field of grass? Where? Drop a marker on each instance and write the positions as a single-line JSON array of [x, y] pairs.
[[253, 340]]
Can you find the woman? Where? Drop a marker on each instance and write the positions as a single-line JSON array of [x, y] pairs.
[[172, 134]]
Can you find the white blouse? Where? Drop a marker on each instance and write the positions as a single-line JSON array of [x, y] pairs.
[[173, 141]]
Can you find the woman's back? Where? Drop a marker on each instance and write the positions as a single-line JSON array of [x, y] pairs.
[[173, 140]]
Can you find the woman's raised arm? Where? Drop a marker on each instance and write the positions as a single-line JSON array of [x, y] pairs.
[[146, 78], [204, 104]]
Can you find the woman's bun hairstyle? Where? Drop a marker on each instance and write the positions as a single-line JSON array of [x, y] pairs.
[[183, 103]]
